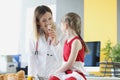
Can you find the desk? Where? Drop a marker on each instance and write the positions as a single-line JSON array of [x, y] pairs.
[[111, 68], [103, 78]]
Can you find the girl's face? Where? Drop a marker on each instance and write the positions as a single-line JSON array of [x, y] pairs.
[[64, 27], [45, 20]]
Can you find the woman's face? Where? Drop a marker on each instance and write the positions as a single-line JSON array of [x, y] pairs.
[[45, 20]]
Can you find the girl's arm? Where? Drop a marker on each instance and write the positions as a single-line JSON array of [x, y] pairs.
[[76, 46]]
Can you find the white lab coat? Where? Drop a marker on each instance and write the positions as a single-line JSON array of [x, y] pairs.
[[49, 58]]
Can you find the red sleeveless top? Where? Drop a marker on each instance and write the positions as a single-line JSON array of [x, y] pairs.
[[67, 50]]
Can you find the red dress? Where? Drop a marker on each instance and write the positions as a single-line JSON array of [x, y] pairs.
[[67, 51]]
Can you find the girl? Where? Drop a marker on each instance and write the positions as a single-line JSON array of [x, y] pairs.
[[44, 49], [73, 52]]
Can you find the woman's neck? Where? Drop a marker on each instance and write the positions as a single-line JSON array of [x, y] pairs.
[[46, 37]]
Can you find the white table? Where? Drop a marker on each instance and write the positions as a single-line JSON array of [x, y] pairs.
[[103, 78]]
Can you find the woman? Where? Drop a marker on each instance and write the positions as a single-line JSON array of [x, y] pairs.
[[44, 49]]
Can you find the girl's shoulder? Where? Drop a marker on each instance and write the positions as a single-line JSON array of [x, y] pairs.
[[76, 43], [75, 39]]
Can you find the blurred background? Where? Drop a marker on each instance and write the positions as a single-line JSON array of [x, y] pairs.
[[100, 22]]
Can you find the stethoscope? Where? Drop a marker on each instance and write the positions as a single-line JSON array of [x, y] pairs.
[[36, 48]]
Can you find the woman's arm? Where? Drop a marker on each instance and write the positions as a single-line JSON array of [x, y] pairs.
[[76, 46]]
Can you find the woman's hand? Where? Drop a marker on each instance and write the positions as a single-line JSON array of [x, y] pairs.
[[53, 35]]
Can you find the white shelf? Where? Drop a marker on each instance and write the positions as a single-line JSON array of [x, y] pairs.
[[103, 78]]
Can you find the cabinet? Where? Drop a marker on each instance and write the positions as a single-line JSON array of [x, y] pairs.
[[110, 68]]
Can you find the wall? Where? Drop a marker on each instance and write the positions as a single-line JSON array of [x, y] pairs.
[[100, 21], [118, 20], [65, 6]]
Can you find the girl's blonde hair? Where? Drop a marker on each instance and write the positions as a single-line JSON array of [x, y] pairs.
[[74, 22], [38, 13]]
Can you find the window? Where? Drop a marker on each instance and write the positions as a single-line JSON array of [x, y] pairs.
[[10, 23]]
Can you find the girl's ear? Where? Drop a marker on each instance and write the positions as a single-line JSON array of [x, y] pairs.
[[66, 26]]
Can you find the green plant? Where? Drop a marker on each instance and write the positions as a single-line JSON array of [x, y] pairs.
[[107, 50], [115, 53]]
